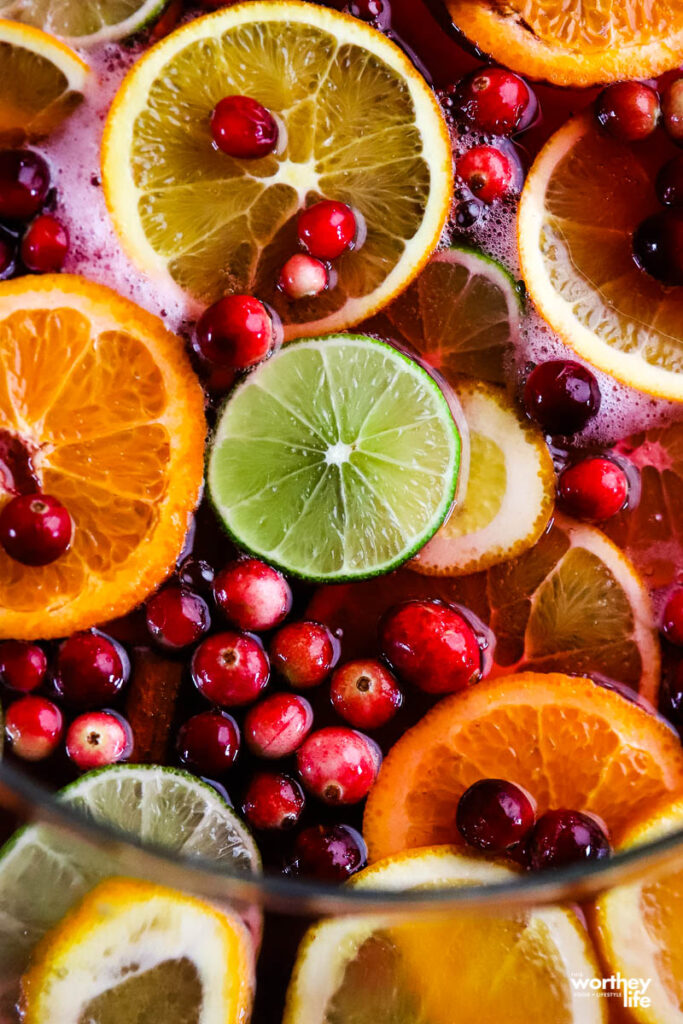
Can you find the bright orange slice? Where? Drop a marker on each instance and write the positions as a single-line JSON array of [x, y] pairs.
[[527, 728], [104, 401]]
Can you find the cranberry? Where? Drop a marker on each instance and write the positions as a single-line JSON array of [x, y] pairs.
[[365, 693], [494, 815], [377, 12], [468, 211], [236, 332], [45, 245], [672, 110], [495, 100], [561, 396], [24, 183], [658, 246], [594, 489], [303, 277], [338, 765], [273, 801], [196, 574], [327, 229], [252, 595], [328, 853], [278, 725], [430, 645], [22, 665], [243, 128], [91, 669], [669, 183], [177, 617], [629, 111], [34, 727], [209, 742], [35, 529], [672, 621], [230, 668], [304, 653], [566, 837], [671, 697], [8, 254], [488, 172], [98, 738]]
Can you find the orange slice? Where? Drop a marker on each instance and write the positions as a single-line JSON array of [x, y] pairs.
[[576, 44], [526, 728], [106, 404]]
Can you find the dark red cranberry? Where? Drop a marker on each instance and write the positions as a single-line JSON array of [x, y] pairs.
[[22, 665], [252, 595], [338, 765], [561, 396], [196, 574], [365, 694], [494, 815], [658, 246], [177, 617], [467, 212], [243, 128], [594, 489], [669, 183], [236, 332], [377, 12], [34, 727], [566, 837], [45, 245], [671, 697], [488, 172], [8, 254], [91, 670], [230, 668], [98, 738], [304, 653], [273, 802], [672, 620], [496, 101], [35, 529], [209, 742], [24, 184], [672, 110], [303, 277], [328, 853], [431, 646], [278, 725], [629, 111], [327, 229]]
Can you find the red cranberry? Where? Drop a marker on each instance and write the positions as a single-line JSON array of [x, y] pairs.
[[34, 727], [303, 277], [566, 837], [230, 668], [327, 229], [24, 183], [8, 254], [365, 693], [273, 802], [594, 489], [496, 101], [243, 128], [672, 110], [22, 665], [671, 696], [196, 574], [488, 172], [328, 853], [209, 742], [177, 617], [98, 738], [236, 332], [35, 529], [252, 595], [430, 645], [629, 111], [278, 725], [91, 669], [494, 815], [658, 246], [672, 622], [304, 653], [378, 12], [338, 765], [561, 396], [45, 245], [669, 183]]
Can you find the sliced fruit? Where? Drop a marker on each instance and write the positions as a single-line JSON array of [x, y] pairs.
[[335, 459], [577, 44], [137, 950], [105, 407], [470, 967], [525, 728], [85, 22], [41, 82], [572, 603], [510, 489], [583, 199], [359, 125]]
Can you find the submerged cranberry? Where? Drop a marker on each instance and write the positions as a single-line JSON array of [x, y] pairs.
[[566, 837], [45, 245], [327, 229], [304, 653], [91, 669], [629, 111], [328, 853], [658, 246], [252, 595], [98, 738], [278, 725], [273, 801], [243, 128], [22, 665], [594, 489], [196, 574], [671, 697], [209, 743], [561, 396], [365, 694], [24, 184], [34, 727], [177, 617], [377, 12], [236, 332], [669, 183], [35, 529], [8, 254], [494, 815], [488, 172], [672, 110], [495, 100], [338, 765], [672, 620], [230, 668], [303, 277]]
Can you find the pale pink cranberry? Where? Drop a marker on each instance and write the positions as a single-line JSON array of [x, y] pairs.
[[338, 765], [35, 529], [495, 815], [328, 853], [327, 229], [235, 333], [252, 595], [672, 621], [22, 665], [34, 727], [91, 669], [98, 738], [209, 743], [488, 172], [629, 111], [243, 128], [273, 802], [365, 693], [45, 245], [594, 489], [565, 837], [303, 277], [177, 617], [304, 653], [278, 725], [230, 668]]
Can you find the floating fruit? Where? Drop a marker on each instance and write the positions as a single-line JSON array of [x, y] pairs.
[[85, 22]]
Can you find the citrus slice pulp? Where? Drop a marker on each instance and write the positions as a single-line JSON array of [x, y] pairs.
[[84, 22]]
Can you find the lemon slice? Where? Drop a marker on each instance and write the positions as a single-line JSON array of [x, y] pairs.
[[85, 22], [464, 966], [510, 490], [41, 82], [136, 951], [359, 125]]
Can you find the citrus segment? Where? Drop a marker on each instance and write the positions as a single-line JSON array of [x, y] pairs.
[[525, 728], [84, 22], [359, 125]]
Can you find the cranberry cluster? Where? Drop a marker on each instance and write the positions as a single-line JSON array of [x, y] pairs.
[[30, 240]]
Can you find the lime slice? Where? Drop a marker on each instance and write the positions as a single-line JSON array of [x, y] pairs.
[[461, 314], [84, 22], [336, 459]]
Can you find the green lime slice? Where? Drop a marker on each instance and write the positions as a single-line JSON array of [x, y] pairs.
[[84, 22], [462, 314], [336, 459]]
